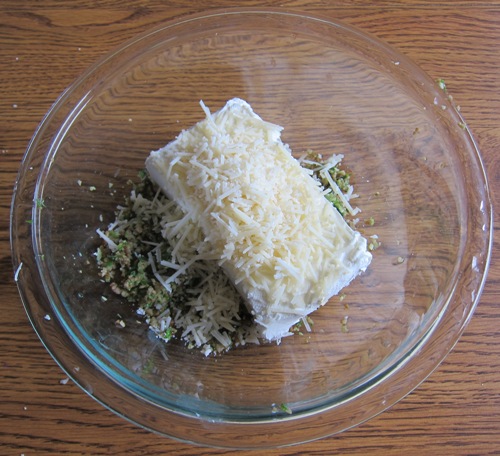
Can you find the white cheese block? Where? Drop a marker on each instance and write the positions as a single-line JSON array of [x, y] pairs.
[[283, 245]]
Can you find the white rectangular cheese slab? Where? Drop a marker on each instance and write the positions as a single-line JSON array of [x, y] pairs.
[[283, 245]]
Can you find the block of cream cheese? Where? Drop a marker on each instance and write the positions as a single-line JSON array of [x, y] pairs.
[[283, 245]]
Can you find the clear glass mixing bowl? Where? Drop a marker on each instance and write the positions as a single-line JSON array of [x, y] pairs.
[[335, 90]]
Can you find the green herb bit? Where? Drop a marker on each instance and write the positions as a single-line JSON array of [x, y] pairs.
[[370, 221], [374, 244], [340, 177], [29, 222], [285, 408], [312, 157], [337, 203], [142, 174], [441, 84], [148, 367], [168, 333], [40, 203], [123, 253], [296, 327], [98, 254], [462, 125]]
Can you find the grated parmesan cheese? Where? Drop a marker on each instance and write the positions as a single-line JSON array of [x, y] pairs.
[[262, 215]]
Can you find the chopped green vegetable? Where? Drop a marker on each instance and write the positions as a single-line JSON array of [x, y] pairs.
[[374, 244], [285, 408], [169, 332], [340, 176], [148, 367], [337, 203], [40, 203], [297, 327], [142, 174], [441, 84]]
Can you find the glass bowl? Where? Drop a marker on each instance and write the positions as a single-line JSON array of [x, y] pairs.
[[415, 167]]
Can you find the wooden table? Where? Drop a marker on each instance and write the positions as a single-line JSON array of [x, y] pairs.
[[46, 44]]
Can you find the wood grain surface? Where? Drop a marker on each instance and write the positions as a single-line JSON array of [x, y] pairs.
[[46, 44]]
